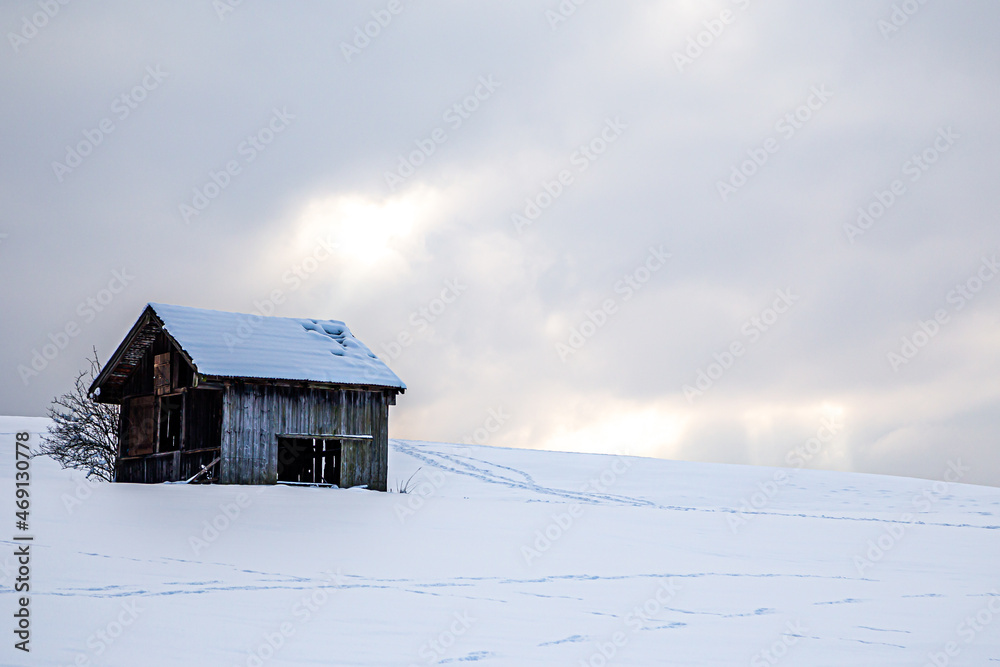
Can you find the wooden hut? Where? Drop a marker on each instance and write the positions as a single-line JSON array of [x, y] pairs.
[[248, 399]]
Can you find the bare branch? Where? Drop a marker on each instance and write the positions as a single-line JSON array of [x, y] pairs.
[[84, 433]]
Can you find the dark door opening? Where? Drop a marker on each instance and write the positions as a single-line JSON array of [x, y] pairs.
[[309, 460], [170, 423]]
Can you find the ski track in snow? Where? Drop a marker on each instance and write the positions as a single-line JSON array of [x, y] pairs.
[[460, 465], [483, 471], [281, 581], [558, 614]]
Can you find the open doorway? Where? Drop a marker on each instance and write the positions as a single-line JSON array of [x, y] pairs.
[[307, 460], [169, 432]]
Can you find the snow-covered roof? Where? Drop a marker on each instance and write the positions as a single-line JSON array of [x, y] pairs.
[[223, 344]]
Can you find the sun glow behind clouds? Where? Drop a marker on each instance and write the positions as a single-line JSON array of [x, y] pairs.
[[623, 429], [368, 233], [667, 430]]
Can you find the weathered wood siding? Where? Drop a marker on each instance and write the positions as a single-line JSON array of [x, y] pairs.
[[253, 415], [170, 466], [201, 421]]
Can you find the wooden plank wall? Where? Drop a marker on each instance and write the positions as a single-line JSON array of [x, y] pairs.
[[203, 419], [254, 414], [156, 468]]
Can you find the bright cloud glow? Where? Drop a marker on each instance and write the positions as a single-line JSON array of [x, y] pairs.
[[368, 232], [622, 428]]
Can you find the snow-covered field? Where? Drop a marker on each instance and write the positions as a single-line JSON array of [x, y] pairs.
[[510, 557]]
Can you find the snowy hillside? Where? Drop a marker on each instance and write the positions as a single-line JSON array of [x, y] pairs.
[[511, 557]]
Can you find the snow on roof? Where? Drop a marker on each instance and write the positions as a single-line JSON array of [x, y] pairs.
[[225, 344]]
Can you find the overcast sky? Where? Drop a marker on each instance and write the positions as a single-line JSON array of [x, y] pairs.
[[708, 231]]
